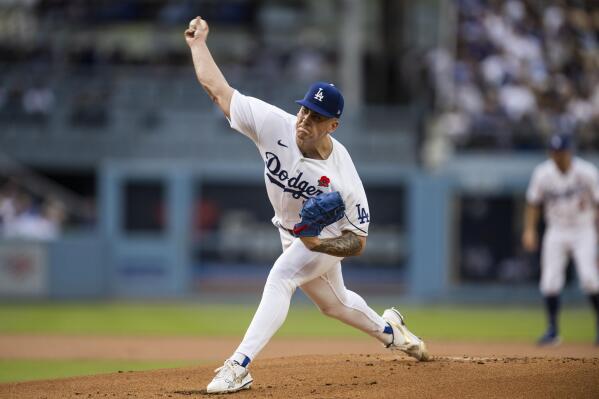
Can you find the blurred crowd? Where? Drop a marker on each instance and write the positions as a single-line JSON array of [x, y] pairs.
[[518, 70], [33, 104], [521, 70], [85, 47], [24, 216]]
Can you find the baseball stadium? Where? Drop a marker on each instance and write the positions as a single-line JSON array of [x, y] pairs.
[[299, 199]]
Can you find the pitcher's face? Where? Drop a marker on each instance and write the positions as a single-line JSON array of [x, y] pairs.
[[312, 126]]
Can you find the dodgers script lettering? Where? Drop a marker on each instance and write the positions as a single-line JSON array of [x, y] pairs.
[[295, 185]]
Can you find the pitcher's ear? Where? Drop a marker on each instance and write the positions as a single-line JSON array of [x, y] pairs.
[[334, 125]]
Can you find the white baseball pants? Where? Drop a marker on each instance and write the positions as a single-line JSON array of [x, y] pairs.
[[319, 276], [558, 244]]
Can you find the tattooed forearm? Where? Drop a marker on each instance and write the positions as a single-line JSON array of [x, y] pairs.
[[347, 244]]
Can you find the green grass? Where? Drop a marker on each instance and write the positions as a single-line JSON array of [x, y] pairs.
[[459, 323], [499, 324], [25, 370], [446, 323]]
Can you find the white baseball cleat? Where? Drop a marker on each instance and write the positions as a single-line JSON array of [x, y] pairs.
[[403, 339], [230, 377]]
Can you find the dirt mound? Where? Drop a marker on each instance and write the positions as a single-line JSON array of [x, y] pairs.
[[216, 349], [346, 376]]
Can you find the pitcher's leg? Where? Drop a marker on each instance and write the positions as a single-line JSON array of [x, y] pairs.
[[329, 293], [334, 300], [296, 265], [269, 316]]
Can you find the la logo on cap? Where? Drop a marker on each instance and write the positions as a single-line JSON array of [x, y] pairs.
[[324, 99], [319, 95]]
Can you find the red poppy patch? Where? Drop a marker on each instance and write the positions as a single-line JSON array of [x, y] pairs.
[[324, 181]]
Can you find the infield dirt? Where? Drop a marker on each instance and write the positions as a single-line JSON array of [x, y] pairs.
[[466, 370]]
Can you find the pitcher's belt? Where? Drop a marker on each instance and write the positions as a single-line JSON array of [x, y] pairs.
[[290, 231]]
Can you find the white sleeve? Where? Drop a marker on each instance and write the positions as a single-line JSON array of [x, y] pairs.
[[534, 194], [357, 213], [248, 115]]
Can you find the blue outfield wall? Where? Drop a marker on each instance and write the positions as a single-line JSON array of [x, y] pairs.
[[77, 267], [111, 263], [430, 218]]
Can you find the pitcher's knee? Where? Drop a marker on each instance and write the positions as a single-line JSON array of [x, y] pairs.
[[278, 281], [334, 311]]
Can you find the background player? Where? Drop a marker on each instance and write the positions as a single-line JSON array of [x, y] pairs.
[[568, 187], [301, 161]]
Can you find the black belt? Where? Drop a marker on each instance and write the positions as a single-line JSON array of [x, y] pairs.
[[290, 231]]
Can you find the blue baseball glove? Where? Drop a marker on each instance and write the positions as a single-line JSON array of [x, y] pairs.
[[319, 212]]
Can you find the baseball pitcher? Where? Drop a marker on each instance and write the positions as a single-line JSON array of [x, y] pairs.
[[320, 209], [568, 187]]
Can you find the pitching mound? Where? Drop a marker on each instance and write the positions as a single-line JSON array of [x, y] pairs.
[[346, 376]]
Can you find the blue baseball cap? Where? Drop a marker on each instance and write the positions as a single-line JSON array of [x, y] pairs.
[[560, 142], [323, 98]]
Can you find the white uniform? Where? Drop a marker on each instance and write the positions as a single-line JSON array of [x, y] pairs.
[[570, 200], [290, 180]]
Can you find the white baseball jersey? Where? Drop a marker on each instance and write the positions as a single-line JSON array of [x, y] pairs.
[[570, 201], [569, 198], [290, 177]]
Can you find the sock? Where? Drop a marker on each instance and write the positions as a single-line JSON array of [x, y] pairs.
[[552, 307], [241, 359], [388, 329], [594, 298]]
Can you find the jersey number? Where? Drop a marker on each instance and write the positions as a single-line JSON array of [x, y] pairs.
[[362, 215]]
